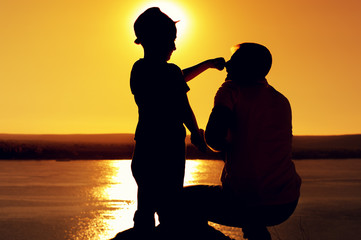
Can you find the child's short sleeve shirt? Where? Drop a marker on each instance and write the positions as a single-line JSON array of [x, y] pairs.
[[159, 91]]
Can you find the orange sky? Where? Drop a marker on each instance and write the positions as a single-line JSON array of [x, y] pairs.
[[64, 65]]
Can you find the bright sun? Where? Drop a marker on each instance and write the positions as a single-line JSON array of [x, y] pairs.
[[174, 11]]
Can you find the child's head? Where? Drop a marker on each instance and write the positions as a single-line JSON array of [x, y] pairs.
[[156, 32], [250, 62]]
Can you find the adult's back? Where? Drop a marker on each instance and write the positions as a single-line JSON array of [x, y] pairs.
[[258, 164]]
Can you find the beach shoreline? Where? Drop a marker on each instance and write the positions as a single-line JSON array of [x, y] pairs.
[[121, 146]]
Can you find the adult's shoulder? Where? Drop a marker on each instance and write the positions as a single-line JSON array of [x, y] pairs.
[[226, 94], [277, 93], [279, 96], [228, 86], [229, 83]]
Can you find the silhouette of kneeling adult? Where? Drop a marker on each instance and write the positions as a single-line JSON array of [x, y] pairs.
[[251, 123]]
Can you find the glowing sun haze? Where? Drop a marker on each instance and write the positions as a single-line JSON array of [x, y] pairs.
[[65, 65]]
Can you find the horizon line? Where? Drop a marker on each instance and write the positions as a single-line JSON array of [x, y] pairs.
[[64, 134]]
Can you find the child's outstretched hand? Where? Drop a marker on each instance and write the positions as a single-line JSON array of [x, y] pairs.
[[197, 140], [218, 63]]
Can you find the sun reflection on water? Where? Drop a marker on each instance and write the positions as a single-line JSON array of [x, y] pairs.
[[191, 172], [111, 203], [121, 194], [113, 200]]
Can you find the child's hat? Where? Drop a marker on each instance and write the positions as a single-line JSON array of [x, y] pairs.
[[153, 24]]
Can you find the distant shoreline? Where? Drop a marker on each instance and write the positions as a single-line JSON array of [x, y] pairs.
[[120, 146]]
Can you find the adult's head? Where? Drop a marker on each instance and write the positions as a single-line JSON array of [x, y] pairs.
[[156, 32], [249, 64]]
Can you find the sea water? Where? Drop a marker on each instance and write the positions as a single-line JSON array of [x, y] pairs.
[[93, 200], [76, 199]]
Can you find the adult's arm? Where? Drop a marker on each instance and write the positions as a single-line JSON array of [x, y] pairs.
[[218, 127]]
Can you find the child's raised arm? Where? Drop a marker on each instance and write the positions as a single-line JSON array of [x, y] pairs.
[[192, 72]]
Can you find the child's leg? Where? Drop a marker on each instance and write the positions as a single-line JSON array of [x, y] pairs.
[[160, 182], [169, 206], [162, 197], [170, 183], [144, 216], [142, 173]]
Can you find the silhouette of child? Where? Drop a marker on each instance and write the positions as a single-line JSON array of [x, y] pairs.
[[160, 92]]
